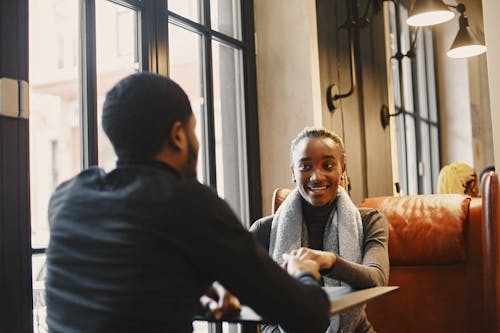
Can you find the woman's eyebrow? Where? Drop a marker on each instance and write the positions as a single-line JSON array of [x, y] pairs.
[[328, 156]]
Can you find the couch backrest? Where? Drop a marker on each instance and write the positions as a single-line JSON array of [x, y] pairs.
[[491, 242], [436, 259]]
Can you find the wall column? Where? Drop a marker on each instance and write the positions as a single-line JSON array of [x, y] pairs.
[[288, 85]]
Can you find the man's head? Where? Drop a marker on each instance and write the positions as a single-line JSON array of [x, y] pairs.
[[318, 164], [148, 116]]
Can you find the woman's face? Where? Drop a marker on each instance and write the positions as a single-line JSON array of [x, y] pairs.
[[317, 165]]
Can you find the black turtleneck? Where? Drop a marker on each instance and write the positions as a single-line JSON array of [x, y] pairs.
[[316, 218]]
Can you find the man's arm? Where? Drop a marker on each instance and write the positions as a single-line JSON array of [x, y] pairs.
[[226, 252]]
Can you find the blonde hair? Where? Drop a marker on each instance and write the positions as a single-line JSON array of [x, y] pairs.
[[453, 178]]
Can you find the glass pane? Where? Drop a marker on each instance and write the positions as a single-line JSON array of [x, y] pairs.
[[401, 141], [54, 105], [407, 75], [186, 68], [425, 156], [407, 84], [431, 76], [191, 9], [422, 80], [395, 83], [411, 155], [229, 119], [225, 17], [435, 156], [55, 146], [39, 273], [117, 55]]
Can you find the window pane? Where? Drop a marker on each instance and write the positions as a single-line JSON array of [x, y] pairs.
[[425, 155], [431, 76], [54, 103], [54, 121], [225, 17], [186, 68], [401, 141], [191, 9], [117, 55], [39, 273], [422, 81], [411, 155], [435, 156], [407, 76], [229, 118]]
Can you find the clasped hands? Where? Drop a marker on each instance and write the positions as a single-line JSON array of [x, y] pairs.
[[220, 302], [305, 259]]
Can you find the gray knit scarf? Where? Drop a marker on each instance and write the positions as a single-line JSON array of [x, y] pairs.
[[343, 236]]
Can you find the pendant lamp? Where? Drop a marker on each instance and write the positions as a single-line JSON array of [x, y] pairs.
[[429, 12], [465, 43]]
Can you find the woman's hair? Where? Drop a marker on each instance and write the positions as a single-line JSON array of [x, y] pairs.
[[455, 178], [321, 132], [139, 112]]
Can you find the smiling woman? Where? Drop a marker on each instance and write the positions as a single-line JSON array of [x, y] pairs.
[[319, 221], [318, 165]]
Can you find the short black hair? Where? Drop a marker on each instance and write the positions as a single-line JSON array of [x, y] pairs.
[[317, 132], [139, 112]]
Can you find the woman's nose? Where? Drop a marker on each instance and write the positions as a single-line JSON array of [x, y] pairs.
[[316, 174]]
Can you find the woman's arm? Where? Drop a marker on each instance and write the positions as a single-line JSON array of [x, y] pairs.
[[261, 230], [374, 269]]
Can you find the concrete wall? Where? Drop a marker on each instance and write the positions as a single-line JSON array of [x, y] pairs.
[[289, 97]]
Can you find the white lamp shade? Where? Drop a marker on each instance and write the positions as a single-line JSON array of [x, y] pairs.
[[429, 12]]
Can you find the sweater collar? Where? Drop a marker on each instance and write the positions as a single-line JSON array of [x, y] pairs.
[[153, 163]]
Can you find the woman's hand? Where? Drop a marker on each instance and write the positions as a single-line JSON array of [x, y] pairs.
[[296, 266], [325, 260]]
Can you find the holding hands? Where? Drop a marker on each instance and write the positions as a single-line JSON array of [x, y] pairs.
[[296, 266], [308, 260]]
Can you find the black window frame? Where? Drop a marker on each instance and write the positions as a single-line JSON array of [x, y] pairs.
[[15, 231]]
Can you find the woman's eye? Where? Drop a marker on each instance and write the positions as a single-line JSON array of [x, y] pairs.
[[328, 166], [304, 167]]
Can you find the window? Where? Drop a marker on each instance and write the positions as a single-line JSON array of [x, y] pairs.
[[206, 57], [414, 87], [95, 44]]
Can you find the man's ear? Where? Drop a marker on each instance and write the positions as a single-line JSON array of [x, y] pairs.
[[178, 138]]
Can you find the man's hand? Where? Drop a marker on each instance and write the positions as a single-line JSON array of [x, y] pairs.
[[325, 260], [296, 266], [220, 302]]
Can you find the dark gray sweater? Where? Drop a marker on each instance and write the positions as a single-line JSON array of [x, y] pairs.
[[374, 268]]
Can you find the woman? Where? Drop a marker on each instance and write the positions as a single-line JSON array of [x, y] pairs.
[[319, 221], [458, 178]]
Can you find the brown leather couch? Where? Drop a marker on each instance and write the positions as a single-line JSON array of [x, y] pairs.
[[435, 251], [491, 247], [445, 256]]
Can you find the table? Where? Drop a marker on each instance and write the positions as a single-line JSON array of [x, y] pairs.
[[341, 299]]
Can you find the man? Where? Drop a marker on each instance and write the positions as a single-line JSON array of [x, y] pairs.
[[133, 250]]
